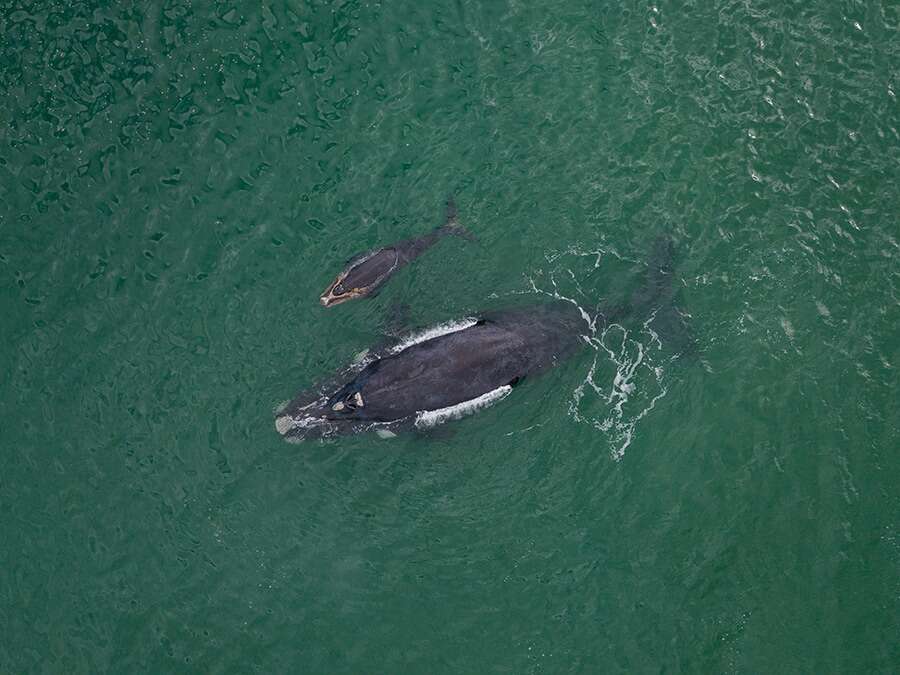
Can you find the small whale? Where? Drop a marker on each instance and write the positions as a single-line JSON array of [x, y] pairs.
[[366, 273], [459, 368]]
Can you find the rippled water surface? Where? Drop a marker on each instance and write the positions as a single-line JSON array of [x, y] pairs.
[[179, 181]]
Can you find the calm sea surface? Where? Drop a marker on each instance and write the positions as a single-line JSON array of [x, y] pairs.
[[180, 180]]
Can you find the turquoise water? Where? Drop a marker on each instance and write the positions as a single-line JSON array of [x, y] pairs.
[[178, 183]]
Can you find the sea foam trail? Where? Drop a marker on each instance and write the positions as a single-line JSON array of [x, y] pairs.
[[626, 377]]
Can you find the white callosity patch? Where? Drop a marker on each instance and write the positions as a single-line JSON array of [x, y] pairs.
[[286, 423], [626, 378], [430, 418]]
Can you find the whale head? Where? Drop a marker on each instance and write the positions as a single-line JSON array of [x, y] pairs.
[[362, 277], [340, 291]]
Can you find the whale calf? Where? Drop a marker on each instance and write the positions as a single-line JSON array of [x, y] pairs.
[[366, 273], [467, 365]]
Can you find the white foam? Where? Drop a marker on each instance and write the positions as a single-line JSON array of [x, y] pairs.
[[591, 322], [430, 418], [638, 380], [788, 328], [433, 332], [632, 365]]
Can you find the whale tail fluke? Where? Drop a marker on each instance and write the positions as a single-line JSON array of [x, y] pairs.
[[452, 211], [657, 298], [452, 225]]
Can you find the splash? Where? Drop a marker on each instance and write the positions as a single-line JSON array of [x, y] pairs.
[[430, 418], [626, 377], [433, 332]]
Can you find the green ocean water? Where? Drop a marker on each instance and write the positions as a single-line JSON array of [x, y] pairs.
[[179, 181]]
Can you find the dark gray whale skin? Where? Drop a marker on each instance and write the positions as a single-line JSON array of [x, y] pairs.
[[501, 348]]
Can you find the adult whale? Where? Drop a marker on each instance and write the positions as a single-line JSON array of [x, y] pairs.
[[437, 375], [461, 367]]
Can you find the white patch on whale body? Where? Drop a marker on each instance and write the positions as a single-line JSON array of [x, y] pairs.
[[433, 332], [430, 418], [285, 423]]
